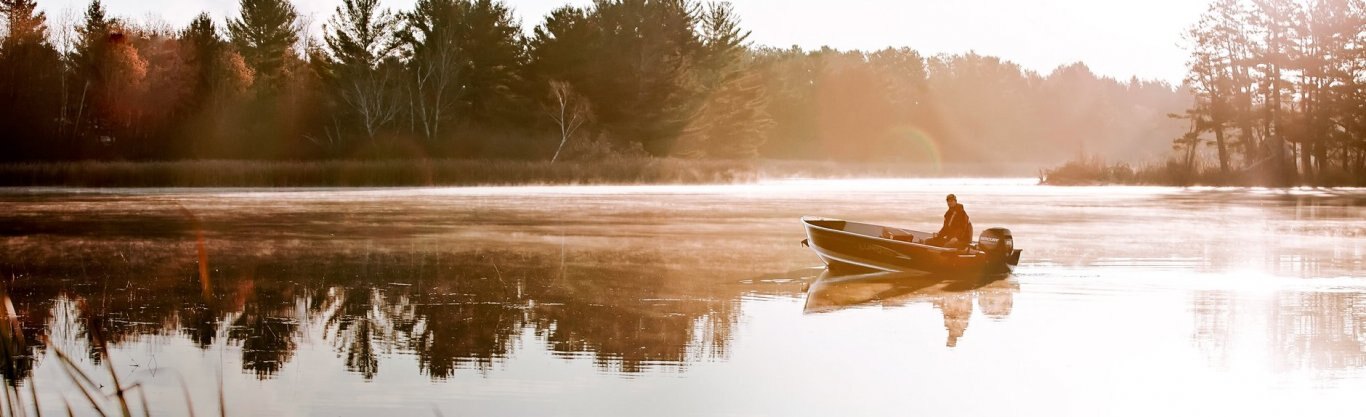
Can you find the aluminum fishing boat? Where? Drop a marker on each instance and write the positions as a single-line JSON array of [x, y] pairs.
[[846, 245]]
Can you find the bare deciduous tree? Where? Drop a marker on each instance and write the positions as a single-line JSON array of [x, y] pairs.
[[64, 38], [432, 96], [360, 39], [569, 110], [374, 99]]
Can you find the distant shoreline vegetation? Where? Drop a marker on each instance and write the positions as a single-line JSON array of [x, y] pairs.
[[619, 171], [448, 172], [1279, 91], [1275, 95], [1095, 171], [465, 80]]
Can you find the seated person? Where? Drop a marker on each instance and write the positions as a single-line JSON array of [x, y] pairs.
[[957, 230]]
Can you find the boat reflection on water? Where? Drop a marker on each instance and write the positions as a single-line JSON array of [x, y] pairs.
[[953, 295]]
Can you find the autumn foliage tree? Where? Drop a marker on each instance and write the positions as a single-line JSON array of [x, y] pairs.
[[285, 101], [265, 34]]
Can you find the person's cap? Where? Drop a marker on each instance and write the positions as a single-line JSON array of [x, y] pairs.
[[951, 197]]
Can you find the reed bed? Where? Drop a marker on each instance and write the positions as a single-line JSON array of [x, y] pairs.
[[445, 172], [1175, 173], [346, 173]]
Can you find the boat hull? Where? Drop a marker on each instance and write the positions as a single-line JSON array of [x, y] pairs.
[[850, 246]]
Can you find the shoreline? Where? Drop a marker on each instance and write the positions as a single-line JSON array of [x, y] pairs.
[[1097, 173], [461, 173], [389, 174]]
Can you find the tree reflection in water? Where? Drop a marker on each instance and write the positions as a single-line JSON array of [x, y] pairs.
[[452, 311], [1318, 331], [639, 287]]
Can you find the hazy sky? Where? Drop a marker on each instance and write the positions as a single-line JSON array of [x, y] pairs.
[[1118, 38]]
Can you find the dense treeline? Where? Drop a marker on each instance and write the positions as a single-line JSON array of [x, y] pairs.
[[463, 79], [1279, 90], [896, 104]]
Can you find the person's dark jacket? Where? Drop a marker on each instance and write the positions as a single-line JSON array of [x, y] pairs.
[[956, 224]]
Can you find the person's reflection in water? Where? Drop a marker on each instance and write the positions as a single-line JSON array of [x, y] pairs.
[[952, 295], [957, 308]]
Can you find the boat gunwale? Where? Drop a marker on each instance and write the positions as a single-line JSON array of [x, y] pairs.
[[808, 221]]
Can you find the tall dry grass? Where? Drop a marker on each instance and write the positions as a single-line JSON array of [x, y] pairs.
[[343, 173], [385, 173], [1175, 173]]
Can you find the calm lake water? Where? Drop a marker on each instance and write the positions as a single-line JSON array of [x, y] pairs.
[[681, 300]]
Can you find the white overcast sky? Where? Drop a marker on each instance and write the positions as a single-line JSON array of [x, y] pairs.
[[1117, 38]]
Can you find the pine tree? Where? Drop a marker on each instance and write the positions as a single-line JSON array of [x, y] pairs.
[[561, 48], [30, 68], [360, 35], [1326, 29], [464, 63], [723, 43], [265, 34], [201, 38], [1272, 21], [26, 25], [1213, 71], [733, 120], [496, 55], [91, 59], [641, 65], [361, 72], [1352, 94], [92, 39], [433, 61], [221, 79]]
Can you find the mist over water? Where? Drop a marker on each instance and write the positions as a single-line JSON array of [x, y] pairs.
[[688, 300]]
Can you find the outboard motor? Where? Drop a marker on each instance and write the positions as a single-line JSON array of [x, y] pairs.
[[997, 242]]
